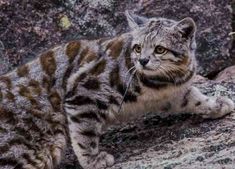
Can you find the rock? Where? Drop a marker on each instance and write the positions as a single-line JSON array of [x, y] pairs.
[[226, 75], [67, 3], [3, 65], [212, 37], [179, 141], [183, 141], [93, 19], [200, 78], [3, 61]]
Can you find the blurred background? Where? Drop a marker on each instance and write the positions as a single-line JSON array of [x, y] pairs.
[[27, 27]]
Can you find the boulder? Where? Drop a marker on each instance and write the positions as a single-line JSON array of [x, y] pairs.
[[185, 141], [213, 20], [227, 74], [3, 61], [178, 142]]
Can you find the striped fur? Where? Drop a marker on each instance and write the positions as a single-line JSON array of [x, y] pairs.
[[75, 90]]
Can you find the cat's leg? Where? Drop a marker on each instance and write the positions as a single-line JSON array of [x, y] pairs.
[[85, 129], [195, 102]]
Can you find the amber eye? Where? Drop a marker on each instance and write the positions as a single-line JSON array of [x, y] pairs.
[[137, 48], [160, 50]]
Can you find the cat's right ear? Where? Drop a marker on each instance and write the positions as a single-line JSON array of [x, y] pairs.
[[186, 27], [134, 21]]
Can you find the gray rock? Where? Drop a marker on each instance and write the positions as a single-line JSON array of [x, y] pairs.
[[97, 18], [178, 142], [105, 18], [227, 74], [3, 62]]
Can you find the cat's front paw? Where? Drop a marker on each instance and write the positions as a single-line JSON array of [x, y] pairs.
[[222, 107]]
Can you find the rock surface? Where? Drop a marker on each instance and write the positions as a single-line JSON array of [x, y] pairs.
[[178, 142], [92, 19], [227, 74]]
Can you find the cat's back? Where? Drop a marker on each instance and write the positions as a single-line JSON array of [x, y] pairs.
[[29, 136], [32, 123], [33, 128]]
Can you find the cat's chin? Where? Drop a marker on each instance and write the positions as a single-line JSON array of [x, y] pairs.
[[153, 76]]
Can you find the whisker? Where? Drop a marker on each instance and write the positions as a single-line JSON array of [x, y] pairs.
[[171, 75], [172, 70], [181, 69], [167, 73], [128, 86], [163, 72], [129, 71]]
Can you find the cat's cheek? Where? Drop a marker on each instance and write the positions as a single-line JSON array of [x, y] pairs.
[[134, 58], [153, 65]]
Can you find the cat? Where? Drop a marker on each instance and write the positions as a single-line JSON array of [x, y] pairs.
[[73, 92]]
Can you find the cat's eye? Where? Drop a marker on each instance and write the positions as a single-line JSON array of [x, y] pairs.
[[137, 48], [160, 50]]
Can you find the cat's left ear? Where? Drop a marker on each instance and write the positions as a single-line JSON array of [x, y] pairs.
[[187, 27], [134, 21]]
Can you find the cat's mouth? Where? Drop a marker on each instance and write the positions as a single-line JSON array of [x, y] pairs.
[[146, 70]]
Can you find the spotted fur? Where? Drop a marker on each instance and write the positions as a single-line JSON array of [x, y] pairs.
[[75, 90]]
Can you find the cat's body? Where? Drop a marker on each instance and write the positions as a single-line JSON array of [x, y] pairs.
[[77, 89]]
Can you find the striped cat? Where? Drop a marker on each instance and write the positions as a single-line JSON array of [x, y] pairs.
[[74, 91]]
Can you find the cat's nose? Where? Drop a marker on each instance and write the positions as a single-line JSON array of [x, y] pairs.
[[143, 61]]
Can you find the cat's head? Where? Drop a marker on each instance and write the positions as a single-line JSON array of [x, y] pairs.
[[163, 49]]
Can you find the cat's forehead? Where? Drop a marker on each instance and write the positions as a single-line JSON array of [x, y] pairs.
[[160, 31], [153, 22], [156, 25], [156, 29]]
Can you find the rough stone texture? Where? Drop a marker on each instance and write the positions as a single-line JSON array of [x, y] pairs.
[[3, 61], [227, 74], [28, 26], [178, 142], [232, 50]]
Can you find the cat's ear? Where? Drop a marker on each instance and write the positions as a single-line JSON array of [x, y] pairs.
[[134, 21], [187, 27]]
